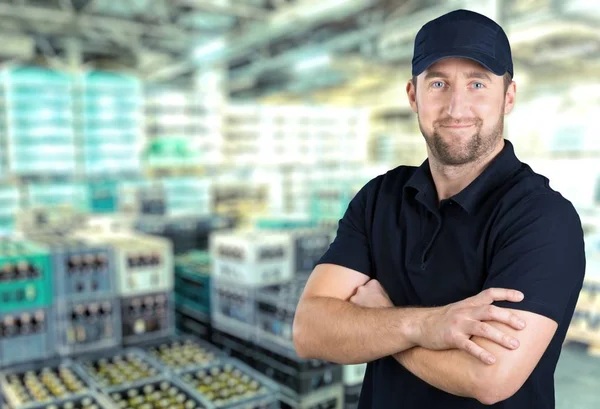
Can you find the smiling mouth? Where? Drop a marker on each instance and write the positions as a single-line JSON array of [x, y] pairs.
[[457, 126]]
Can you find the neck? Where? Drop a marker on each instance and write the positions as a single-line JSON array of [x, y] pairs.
[[450, 180]]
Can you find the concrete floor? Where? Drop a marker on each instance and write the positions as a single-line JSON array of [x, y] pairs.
[[577, 379]]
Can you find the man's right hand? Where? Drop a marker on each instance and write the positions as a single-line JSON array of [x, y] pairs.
[[452, 326]]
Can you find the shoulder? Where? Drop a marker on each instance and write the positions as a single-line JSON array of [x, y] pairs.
[[389, 183], [530, 203]]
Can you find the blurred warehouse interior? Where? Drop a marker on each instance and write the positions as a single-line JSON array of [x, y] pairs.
[[171, 170]]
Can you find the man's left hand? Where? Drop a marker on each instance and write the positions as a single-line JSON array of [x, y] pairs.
[[371, 295]]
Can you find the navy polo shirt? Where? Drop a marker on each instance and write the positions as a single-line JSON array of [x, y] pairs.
[[508, 229]]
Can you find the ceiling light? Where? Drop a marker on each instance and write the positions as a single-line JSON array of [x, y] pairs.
[[313, 62], [209, 49]]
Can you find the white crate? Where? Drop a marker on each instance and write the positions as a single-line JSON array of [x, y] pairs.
[[143, 263], [253, 258], [354, 374]]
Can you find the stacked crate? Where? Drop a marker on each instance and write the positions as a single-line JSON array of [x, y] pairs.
[[193, 293], [86, 308], [187, 196], [54, 194], [266, 343], [10, 198], [3, 141], [144, 271], [26, 322], [183, 127], [244, 261], [49, 219], [41, 140], [353, 380], [111, 125], [187, 233]]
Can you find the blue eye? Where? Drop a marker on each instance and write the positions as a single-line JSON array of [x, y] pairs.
[[475, 85], [437, 84]]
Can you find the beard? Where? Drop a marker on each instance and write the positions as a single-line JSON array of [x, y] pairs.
[[474, 148]]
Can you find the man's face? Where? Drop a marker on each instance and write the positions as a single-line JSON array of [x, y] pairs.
[[460, 107]]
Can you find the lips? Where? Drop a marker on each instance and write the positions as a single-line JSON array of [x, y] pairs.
[[457, 126]]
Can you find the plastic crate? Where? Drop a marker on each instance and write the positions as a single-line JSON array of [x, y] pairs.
[[275, 310], [233, 309], [193, 282], [118, 368], [171, 393], [250, 389], [329, 398], [26, 336], [182, 353], [31, 385], [87, 401], [309, 245], [235, 347], [297, 376], [104, 196], [147, 317], [352, 396], [85, 326], [187, 233], [79, 270], [354, 374], [192, 322], [144, 263], [25, 276], [252, 258]]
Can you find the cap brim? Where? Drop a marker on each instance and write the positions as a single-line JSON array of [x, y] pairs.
[[488, 62]]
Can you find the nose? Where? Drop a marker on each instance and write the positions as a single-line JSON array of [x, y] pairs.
[[458, 105]]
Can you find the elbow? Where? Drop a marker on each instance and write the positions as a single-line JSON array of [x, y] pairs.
[[299, 338], [494, 384]]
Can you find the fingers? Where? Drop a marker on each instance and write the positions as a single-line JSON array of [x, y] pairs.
[[484, 330], [478, 352], [503, 315], [498, 294]]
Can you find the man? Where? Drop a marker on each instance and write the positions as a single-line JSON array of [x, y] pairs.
[[455, 280]]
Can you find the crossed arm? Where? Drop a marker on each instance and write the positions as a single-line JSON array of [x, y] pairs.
[[334, 337], [456, 372], [460, 373]]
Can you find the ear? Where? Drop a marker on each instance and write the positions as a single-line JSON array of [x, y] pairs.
[[411, 92], [509, 100]]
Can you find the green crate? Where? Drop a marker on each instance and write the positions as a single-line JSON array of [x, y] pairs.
[[29, 286], [192, 281], [104, 196], [285, 223]]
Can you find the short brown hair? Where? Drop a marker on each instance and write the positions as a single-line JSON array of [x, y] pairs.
[[507, 80]]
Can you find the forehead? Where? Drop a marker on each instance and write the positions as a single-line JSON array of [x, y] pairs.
[[458, 65]]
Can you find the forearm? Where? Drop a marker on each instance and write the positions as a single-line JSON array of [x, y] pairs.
[[338, 331], [453, 371]]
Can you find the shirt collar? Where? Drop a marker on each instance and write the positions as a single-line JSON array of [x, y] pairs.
[[498, 170]]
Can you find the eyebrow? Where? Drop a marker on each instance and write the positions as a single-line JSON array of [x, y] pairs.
[[468, 75]]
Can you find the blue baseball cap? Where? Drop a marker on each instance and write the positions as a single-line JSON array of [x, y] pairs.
[[464, 34]]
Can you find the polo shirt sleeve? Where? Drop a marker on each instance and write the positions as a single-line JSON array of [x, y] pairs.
[[350, 248], [540, 251]]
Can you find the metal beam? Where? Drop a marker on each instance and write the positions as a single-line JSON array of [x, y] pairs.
[[43, 14], [235, 9], [295, 18]]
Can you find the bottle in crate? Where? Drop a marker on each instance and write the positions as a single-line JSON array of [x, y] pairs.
[[147, 317], [25, 302]]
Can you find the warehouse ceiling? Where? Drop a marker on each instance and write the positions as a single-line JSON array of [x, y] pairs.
[[280, 46]]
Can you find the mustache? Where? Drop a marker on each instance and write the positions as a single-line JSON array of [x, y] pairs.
[[450, 122]]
